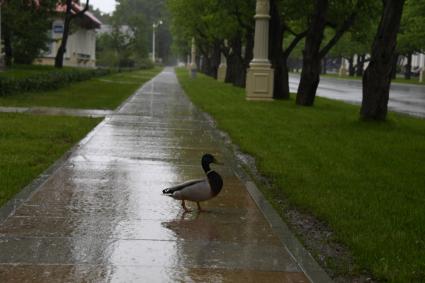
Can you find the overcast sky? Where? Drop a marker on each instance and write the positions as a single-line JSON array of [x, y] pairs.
[[106, 6]]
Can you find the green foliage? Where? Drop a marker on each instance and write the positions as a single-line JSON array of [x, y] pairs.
[[47, 80], [139, 15], [364, 178], [26, 24], [209, 21], [411, 38]]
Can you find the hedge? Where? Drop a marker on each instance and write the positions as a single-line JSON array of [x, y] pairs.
[[47, 80]]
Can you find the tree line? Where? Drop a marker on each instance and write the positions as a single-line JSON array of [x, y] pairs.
[[321, 28]]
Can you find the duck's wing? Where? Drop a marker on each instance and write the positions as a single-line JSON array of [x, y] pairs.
[[199, 191], [181, 186]]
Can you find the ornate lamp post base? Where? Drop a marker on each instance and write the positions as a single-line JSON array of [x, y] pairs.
[[259, 82], [221, 75]]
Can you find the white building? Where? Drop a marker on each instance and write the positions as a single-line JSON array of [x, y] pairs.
[[81, 45]]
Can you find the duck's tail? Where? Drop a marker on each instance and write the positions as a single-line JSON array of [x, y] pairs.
[[167, 191]]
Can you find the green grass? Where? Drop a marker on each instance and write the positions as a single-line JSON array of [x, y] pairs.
[[365, 179], [106, 92], [29, 144], [413, 80]]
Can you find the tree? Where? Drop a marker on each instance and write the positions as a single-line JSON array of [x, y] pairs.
[[411, 38], [326, 13], [24, 28], [377, 77], [139, 15], [211, 23], [287, 28], [69, 16]]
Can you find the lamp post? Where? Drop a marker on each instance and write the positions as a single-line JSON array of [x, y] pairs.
[[193, 67], [260, 75], [154, 27], [222, 69]]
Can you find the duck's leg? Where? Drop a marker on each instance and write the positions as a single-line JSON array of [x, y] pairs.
[[184, 206], [199, 206]]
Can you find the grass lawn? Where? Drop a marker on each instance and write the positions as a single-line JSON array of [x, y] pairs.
[[29, 144], [366, 179], [106, 92], [414, 80]]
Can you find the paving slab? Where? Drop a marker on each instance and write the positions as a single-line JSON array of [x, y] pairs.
[[101, 216]]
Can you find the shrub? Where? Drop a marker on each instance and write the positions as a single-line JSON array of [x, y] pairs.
[[47, 80]]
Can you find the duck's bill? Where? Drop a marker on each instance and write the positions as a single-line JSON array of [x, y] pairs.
[[218, 162]]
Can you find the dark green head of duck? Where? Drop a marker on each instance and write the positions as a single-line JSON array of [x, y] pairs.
[[207, 159]]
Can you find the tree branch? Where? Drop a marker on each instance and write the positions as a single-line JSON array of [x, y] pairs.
[[295, 41], [80, 13], [339, 33]]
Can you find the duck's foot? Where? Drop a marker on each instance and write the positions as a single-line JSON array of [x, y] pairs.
[[184, 207], [200, 208]]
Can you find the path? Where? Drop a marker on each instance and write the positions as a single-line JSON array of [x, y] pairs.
[[404, 98], [101, 217]]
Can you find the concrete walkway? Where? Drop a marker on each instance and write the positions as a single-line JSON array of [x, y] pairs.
[[101, 217]]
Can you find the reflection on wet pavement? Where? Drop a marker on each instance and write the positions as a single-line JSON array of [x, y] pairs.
[[101, 217]]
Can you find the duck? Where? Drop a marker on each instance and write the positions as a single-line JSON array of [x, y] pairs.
[[200, 189]]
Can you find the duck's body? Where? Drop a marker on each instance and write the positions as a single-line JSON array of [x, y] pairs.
[[198, 190]]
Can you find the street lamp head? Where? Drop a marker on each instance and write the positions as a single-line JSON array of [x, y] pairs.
[[157, 24]]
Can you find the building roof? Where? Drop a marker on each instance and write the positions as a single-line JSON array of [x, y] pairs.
[[89, 20]]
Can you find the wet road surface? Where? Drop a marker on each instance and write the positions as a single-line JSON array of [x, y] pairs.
[[101, 216], [404, 98]]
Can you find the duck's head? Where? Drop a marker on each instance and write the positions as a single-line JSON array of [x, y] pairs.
[[207, 159]]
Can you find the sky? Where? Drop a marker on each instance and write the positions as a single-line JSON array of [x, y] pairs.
[[106, 6]]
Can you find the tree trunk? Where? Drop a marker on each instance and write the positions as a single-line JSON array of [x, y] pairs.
[[351, 69], [236, 68], [408, 67], [324, 62], [62, 48], [8, 47], [394, 68], [66, 27], [281, 84], [230, 71], [215, 59], [377, 77], [310, 74], [360, 65]]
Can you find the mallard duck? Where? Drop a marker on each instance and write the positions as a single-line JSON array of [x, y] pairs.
[[198, 190]]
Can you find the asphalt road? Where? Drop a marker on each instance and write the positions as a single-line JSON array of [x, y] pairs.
[[409, 99]]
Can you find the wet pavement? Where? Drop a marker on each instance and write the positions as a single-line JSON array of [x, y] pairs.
[[55, 111], [101, 216], [404, 98]]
